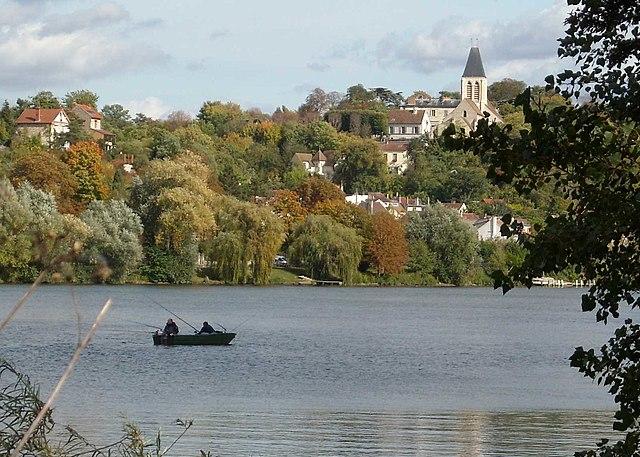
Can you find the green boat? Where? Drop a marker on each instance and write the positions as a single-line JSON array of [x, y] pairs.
[[205, 339]]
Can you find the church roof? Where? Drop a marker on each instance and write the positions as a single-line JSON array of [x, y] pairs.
[[474, 66]]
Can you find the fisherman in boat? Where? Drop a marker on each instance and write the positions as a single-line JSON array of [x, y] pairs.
[[171, 328], [206, 328]]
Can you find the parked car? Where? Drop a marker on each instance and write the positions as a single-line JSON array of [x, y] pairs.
[[280, 261]]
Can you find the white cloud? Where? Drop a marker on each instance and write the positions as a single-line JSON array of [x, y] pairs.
[[525, 47], [150, 106], [102, 15], [318, 66], [39, 51]]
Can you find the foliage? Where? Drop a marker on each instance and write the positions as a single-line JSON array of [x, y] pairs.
[[168, 266], [448, 238], [589, 153], [20, 404], [113, 250], [249, 237], [44, 170], [164, 144], [387, 249], [361, 166], [85, 161], [326, 249], [45, 99], [223, 118], [286, 204], [505, 90], [315, 189], [83, 97]]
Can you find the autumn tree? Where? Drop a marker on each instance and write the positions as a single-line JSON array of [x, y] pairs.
[[326, 249], [44, 170], [286, 204], [85, 161], [388, 249], [315, 189]]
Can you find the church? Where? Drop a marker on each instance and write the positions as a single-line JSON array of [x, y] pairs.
[[436, 114]]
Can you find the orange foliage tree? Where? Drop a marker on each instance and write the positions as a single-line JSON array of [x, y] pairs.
[[286, 204], [314, 190], [45, 171], [85, 161], [388, 249]]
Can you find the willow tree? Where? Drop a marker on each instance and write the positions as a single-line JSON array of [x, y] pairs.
[[247, 241], [326, 249]]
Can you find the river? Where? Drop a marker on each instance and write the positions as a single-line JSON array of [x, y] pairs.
[[324, 371]]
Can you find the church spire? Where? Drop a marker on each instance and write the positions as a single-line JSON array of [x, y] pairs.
[[474, 67]]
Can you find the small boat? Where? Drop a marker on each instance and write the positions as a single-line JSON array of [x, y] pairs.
[[205, 339]]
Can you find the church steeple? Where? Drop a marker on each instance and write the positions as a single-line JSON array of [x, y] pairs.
[[473, 85]]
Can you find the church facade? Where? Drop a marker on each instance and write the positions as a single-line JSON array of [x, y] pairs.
[[465, 112]]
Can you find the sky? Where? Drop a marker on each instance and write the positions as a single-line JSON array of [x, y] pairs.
[[160, 56]]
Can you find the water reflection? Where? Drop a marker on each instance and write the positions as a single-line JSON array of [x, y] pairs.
[[469, 433]]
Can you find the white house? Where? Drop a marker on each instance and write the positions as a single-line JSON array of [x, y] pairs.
[[320, 163], [396, 155], [407, 124], [46, 123]]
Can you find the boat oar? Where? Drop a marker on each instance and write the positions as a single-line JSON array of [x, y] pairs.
[[175, 315]]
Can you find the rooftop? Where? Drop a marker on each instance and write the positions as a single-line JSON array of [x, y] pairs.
[[474, 67]]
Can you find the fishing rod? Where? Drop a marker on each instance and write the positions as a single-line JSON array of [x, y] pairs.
[[174, 315], [142, 323]]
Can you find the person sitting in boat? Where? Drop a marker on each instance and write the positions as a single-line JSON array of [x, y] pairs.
[[206, 328], [171, 328]]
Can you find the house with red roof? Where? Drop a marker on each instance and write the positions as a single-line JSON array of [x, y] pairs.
[[45, 123], [92, 122]]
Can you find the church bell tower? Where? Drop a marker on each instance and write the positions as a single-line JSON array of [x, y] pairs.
[[473, 84]]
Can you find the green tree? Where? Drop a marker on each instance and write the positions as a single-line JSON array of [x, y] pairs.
[[223, 118], [449, 238], [113, 251], [83, 97], [362, 166], [326, 249], [589, 152], [44, 99], [505, 90], [115, 117], [164, 144], [249, 237]]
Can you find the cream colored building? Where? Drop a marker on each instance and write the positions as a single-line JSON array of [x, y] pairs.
[[465, 113]]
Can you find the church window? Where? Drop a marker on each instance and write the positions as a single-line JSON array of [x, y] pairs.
[[476, 91], [469, 89]]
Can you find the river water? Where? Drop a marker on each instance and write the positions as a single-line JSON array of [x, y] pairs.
[[324, 371]]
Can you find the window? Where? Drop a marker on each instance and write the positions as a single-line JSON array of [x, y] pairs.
[[469, 89], [403, 130], [433, 112], [464, 113], [395, 157], [416, 130], [476, 91]]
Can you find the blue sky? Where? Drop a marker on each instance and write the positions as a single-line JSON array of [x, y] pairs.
[[156, 56]]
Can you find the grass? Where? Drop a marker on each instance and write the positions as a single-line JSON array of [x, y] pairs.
[[282, 276]]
